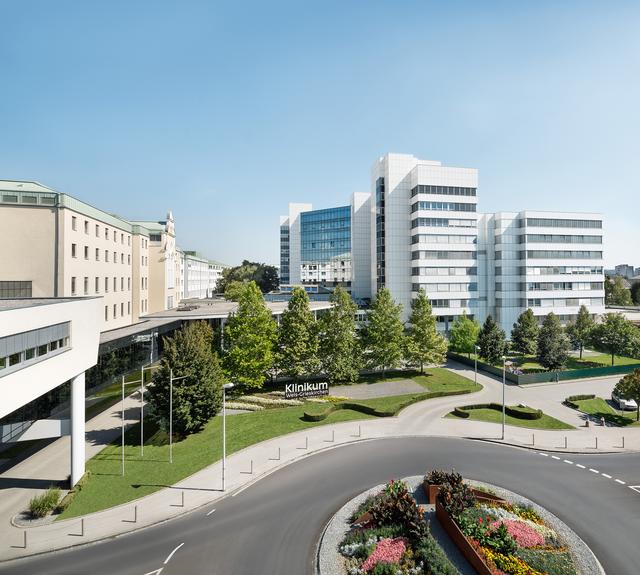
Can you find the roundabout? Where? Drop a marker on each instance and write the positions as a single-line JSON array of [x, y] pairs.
[[273, 525]]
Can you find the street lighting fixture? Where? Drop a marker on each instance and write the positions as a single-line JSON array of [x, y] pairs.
[[475, 369], [171, 380], [225, 388], [147, 366], [504, 369]]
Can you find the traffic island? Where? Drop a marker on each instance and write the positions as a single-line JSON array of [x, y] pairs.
[[472, 528]]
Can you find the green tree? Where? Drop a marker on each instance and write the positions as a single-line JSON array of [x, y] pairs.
[[385, 332], [196, 398], [424, 343], [580, 330], [553, 344], [615, 292], [265, 276], [463, 335], [297, 352], [340, 351], [249, 338], [629, 388], [615, 334], [524, 335], [635, 293], [492, 342]]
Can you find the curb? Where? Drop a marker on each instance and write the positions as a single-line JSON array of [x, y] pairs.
[[585, 451]]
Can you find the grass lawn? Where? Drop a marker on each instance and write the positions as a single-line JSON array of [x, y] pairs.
[[598, 407], [106, 487], [528, 363], [495, 416]]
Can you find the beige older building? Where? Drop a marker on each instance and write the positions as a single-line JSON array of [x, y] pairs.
[[58, 246]]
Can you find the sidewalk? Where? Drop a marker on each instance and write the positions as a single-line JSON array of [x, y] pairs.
[[246, 466]]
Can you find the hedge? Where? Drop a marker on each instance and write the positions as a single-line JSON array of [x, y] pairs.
[[570, 401], [366, 409], [517, 412]]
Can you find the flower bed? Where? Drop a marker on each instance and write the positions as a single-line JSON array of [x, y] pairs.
[[389, 536], [499, 538]]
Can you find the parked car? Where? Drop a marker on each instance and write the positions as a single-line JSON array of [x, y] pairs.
[[624, 404]]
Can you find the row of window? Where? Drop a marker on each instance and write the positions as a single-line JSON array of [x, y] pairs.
[[443, 206], [442, 223], [561, 223], [567, 286], [443, 255], [562, 254], [443, 190], [454, 271], [74, 254], [564, 302], [442, 239], [449, 287], [563, 270], [559, 239], [115, 310], [10, 289], [74, 284], [33, 353], [107, 232]]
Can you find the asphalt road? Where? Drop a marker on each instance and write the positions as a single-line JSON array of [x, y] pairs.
[[271, 528]]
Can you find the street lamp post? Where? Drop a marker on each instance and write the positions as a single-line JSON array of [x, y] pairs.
[[504, 378], [475, 367], [122, 432], [225, 387], [171, 380]]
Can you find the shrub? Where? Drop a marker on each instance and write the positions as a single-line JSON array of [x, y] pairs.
[[437, 477], [455, 495], [431, 554], [41, 505], [398, 507]]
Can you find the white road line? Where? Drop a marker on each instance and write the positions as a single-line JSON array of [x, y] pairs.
[[636, 488], [568, 461], [593, 470], [544, 454], [555, 457], [580, 466], [210, 512], [621, 482], [171, 554], [606, 475], [156, 572]]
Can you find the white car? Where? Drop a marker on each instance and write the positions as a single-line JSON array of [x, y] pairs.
[[624, 404]]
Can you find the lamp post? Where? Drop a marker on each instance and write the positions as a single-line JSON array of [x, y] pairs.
[[225, 387], [171, 380], [475, 366], [504, 379], [148, 366]]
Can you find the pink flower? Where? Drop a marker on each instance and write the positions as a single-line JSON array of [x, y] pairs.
[[525, 535], [386, 551]]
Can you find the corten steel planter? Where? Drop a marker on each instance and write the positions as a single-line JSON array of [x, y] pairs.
[[461, 542], [431, 491]]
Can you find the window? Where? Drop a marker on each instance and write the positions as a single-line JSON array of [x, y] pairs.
[[42, 350], [73, 250], [115, 257], [53, 345], [97, 254], [155, 237], [73, 285], [86, 285], [15, 358], [97, 286], [122, 239], [128, 308], [86, 226], [121, 284], [106, 233], [106, 255], [115, 311], [106, 313], [121, 309], [129, 283], [128, 240], [3, 362], [97, 231], [106, 285], [128, 259], [10, 289], [121, 258], [115, 285], [74, 223], [86, 252]]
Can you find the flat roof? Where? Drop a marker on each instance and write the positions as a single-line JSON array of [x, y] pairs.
[[143, 326], [220, 309], [20, 303]]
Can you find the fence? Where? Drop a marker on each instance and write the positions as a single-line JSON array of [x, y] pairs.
[[548, 376]]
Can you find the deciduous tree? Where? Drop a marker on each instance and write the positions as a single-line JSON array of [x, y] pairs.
[[629, 388], [615, 334], [424, 343], [553, 344], [524, 335], [463, 335], [580, 330], [384, 332], [492, 342]]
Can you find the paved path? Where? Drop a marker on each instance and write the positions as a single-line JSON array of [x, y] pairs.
[[202, 488], [382, 389]]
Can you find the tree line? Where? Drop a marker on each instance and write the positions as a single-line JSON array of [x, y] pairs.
[[550, 343]]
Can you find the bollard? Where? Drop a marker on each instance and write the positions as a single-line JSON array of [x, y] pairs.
[[333, 435], [359, 431], [565, 441], [24, 538], [623, 442], [82, 527], [306, 442], [251, 467], [135, 513], [533, 439], [182, 500], [596, 442], [278, 454]]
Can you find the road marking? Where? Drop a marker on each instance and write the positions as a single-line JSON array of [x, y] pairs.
[[555, 457], [171, 554], [580, 466], [621, 482], [156, 572], [210, 512], [568, 461], [636, 488], [606, 475], [593, 470], [545, 454]]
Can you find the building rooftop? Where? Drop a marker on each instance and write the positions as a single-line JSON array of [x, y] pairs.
[[20, 303]]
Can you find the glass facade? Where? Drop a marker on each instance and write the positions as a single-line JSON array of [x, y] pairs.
[[284, 254], [325, 235], [380, 265]]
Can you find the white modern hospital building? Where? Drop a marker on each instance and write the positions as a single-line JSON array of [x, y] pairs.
[[419, 227]]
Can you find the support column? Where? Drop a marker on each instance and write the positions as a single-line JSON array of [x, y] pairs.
[[77, 428]]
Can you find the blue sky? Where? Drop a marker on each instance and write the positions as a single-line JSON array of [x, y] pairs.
[[225, 112]]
